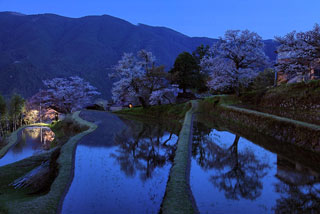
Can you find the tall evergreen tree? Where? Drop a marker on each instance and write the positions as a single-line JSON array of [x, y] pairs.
[[16, 107], [186, 72]]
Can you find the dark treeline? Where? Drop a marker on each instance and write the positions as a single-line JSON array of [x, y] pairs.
[[11, 114]]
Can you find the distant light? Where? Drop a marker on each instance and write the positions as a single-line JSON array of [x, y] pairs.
[[130, 105]]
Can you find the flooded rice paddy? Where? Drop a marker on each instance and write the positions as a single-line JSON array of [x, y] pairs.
[[30, 142], [230, 174], [122, 167]]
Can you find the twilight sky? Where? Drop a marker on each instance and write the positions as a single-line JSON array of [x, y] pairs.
[[210, 18]]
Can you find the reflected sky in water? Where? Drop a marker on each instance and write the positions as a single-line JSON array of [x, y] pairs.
[[230, 174], [125, 170], [29, 143]]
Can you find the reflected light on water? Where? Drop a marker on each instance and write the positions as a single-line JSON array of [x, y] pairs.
[[29, 143], [35, 133]]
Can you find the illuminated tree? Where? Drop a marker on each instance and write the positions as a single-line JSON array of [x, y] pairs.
[[139, 78], [234, 59], [65, 94], [165, 95], [298, 51]]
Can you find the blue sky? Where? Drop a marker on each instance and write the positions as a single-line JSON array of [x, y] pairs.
[[209, 18]]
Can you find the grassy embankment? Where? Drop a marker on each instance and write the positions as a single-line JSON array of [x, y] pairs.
[[178, 197], [282, 128], [287, 150], [170, 115], [299, 101], [21, 201], [304, 93], [173, 112]]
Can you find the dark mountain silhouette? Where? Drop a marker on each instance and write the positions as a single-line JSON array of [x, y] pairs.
[[37, 47]]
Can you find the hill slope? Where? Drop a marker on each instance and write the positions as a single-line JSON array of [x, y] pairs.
[[37, 47]]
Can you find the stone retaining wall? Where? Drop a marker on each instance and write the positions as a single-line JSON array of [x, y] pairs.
[[283, 129]]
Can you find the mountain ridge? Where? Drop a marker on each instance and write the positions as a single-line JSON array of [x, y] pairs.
[[42, 46]]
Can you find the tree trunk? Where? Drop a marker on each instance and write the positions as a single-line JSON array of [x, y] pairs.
[[165, 142], [143, 102], [167, 99], [41, 177], [33, 177], [234, 151], [238, 93]]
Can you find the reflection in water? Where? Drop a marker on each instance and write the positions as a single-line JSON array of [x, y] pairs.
[[237, 173], [144, 150], [29, 142], [238, 176], [299, 188], [123, 169]]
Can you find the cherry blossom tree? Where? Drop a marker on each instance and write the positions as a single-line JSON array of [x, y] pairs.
[[298, 51], [234, 59], [65, 95], [165, 95], [139, 80]]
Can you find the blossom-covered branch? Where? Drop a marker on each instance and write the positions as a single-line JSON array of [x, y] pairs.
[[234, 59]]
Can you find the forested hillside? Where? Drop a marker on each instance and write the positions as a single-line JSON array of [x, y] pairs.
[[37, 47]]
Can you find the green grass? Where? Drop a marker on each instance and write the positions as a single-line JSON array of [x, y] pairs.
[[18, 201], [65, 129], [298, 101], [178, 196], [13, 171], [274, 117], [160, 112], [222, 99], [303, 92], [208, 105]]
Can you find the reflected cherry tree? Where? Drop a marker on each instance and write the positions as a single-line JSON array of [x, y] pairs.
[[297, 199], [298, 187], [237, 173], [142, 148]]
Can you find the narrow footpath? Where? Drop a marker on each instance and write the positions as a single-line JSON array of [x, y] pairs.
[[178, 197]]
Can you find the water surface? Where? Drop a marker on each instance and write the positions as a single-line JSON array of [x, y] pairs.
[[28, 144], [230, 174], [122, 167]]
